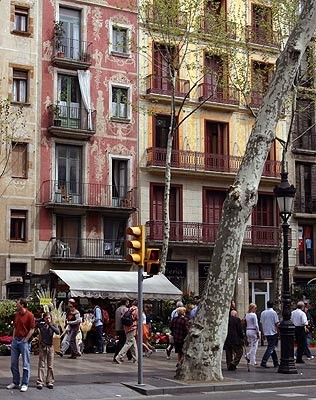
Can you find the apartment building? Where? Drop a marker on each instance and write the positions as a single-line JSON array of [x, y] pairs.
[[88, 139], [19, 77], [208, 147]]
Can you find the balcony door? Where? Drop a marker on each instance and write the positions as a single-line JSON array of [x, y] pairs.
[[216, 146], [261, 24], [157, 212], [264, 219], [114, 237], [214, 68], [71, 26], [163, 58], [260, 77], [68, 186], [119, 181], [212, 212], [68, 232], [69, 99]]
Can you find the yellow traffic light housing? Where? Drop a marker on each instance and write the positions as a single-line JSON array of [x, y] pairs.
[[137, 244], [153, 261]]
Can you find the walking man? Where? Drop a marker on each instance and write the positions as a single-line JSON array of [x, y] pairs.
[[98, 324], [119, 312], [24, 325], [130, 331], [234, 341], [73, 325], [270, 325], [299, 319]]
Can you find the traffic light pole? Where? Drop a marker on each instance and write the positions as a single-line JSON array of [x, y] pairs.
[[140, 325]]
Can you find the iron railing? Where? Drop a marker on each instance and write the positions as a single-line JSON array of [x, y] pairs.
[[263, 36], [73, 49], [203, 233], [218, 94], [69, 247], [87, 194], [72, 117], [197, 161], [156, 84]]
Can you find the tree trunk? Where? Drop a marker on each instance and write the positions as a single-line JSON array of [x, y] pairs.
[[204, 344]]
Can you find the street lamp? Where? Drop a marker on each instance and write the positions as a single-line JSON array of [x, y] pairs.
[[285, 195]]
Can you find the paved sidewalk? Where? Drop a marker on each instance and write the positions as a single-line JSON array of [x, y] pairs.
[[96, 377]]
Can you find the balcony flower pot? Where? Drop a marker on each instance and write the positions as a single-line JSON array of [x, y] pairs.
[[57, 122]]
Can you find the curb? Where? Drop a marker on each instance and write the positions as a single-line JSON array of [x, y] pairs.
[[149, 390]]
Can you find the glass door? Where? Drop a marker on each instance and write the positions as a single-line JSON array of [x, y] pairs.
[[71, 26], [69, 99]]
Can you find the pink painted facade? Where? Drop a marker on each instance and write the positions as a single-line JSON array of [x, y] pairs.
[[89, 133]]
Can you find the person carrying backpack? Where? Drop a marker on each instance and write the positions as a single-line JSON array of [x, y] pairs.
[[129, 322]]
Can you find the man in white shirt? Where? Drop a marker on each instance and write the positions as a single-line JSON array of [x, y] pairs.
[[299, 319], [270, 323]]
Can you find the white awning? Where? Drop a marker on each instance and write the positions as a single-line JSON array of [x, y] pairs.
[[117, 284]]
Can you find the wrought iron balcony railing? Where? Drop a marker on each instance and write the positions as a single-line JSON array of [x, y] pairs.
[[156, 84], [72, 117], [263, 36], [197, 161], [78, 248], [203, 233], [219, 27], [87, 194], [73, 49], [218, 94]]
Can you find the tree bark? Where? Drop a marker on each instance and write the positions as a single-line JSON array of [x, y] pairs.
[[204, 343]]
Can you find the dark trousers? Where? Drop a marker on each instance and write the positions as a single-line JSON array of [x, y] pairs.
[[270, 351], [300, 337], [233, 354], [99, 338], [120, 344]]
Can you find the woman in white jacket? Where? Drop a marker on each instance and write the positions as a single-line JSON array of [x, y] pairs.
[[252, 332]]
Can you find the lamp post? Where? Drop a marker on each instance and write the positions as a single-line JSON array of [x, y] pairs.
[[285, 195]]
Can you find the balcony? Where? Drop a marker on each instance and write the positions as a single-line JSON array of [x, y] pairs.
[[305, 203], [72, 54], [256, 99], [219, 27], [71, 122], [197, 161], [263, 36], [70, 194], [203, 233], [218, 94], [72, 249], [161, 85]]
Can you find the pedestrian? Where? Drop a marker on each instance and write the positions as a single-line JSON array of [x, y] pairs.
[[24, 326], [146, 335], [299, 319], [234, 341], [252, 332], [130, 332], [98, 325], [174, 313], [270, 328], [179, 331], [193, 312], [73, 321], [119, 312], [46, 351]]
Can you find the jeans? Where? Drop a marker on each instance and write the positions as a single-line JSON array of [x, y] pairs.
[[300, 337], [99, 338], [270, 351], [19, 347], [70, 341]]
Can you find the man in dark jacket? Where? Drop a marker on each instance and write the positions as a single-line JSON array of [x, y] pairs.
[[234, 341]]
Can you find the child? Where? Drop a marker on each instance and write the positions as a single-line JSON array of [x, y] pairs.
[[46, 351]]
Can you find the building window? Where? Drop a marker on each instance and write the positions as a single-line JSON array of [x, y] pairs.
[[17, 269], [18, 221], [119, 182], [20, 80], [19, 160], [21, 17], [304, 131], [305, 199], [120, 102], [260, 272], [261, 74], [306, 245], [120, 40]]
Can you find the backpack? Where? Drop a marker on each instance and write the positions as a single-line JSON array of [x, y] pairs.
[[127, 319]]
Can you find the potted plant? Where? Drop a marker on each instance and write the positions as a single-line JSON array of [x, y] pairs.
[[55, 109], [85, 57], [58, 37]]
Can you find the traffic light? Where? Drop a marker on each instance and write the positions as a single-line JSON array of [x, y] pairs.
[[137, 244], [153, 261]]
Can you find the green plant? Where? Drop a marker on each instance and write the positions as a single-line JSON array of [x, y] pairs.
[[55, 109], [58, 34], [84, 56]]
